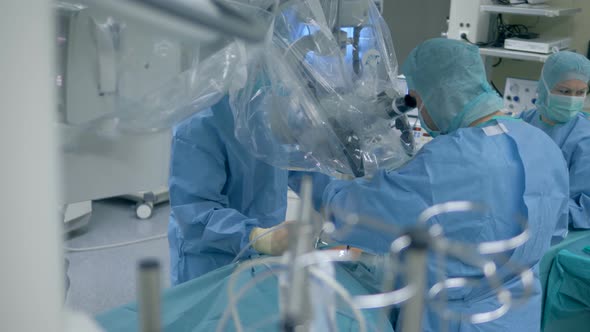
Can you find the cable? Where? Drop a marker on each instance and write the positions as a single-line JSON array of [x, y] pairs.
[[495, 88], [344, 295], [480, 44], [497, 63], [503, 32], [506, 31], [232, 298], [115, 245]]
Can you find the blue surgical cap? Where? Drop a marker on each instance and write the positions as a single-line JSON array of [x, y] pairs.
[[450, 77], [559, 67]]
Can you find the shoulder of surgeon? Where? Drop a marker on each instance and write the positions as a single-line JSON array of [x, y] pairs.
[[577, 131], [581, 125], [203, 124], [474, 139]]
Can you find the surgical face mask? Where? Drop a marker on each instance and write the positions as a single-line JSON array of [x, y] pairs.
[[424, 125], [562, 108]]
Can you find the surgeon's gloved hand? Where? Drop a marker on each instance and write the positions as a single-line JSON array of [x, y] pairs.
[[271, 241]]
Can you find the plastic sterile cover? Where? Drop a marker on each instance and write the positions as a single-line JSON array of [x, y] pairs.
[[306, 105], [148, 81]]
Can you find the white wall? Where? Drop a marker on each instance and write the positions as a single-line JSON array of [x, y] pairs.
[[413, 21]]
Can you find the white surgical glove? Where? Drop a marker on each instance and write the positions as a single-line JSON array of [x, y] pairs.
[[275, 242]]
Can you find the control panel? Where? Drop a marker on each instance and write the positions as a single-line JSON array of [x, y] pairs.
[[520, 95]]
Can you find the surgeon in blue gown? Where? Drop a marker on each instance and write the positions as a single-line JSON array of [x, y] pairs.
[[477, 155], [220, 196], [562, 90]]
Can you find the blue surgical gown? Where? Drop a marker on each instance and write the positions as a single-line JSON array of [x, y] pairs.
[[573, 138], [218, 193], [508, 165]]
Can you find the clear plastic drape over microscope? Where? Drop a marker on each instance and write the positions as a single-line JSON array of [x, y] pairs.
[[318, 96], [137, 77]]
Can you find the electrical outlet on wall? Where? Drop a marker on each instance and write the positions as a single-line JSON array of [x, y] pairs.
[[467, 18]]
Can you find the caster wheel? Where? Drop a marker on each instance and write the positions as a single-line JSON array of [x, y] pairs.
[[144, 210]]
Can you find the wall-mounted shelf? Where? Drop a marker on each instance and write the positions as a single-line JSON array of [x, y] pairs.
[[510, 54], [532, 10]]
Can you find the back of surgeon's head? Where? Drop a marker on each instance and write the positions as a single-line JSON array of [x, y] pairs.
[[450, 79], [564, 74]]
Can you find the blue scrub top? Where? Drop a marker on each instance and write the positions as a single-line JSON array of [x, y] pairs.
[[218, 193], [508, 165], [573, 138]]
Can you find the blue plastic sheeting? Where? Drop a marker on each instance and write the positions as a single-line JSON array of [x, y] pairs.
[[198, 305], [565, 273]]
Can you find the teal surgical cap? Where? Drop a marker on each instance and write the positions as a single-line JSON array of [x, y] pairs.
[[450, 77], [559, 67]]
